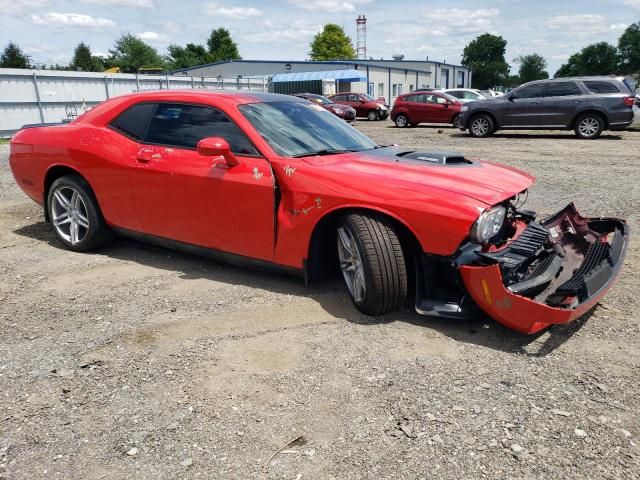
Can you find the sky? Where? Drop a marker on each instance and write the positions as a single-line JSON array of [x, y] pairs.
[[48, 30]]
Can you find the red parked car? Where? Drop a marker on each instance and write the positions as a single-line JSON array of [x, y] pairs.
[[414, 108], [344, 112], [365, 105], [278, 182]]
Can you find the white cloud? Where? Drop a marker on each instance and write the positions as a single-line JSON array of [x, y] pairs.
[[335, 6], [151, 36], [123, 3], [583, 25], [238, 13], [632, 3], [54, 19], [445, 21]]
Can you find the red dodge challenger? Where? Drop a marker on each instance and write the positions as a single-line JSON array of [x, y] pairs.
[[278, 182]]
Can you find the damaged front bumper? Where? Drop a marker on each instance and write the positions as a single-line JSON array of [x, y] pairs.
[[548, 273]]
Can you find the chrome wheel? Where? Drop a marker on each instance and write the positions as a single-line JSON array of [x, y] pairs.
[[480, 126], [588, 127], [69, 214], [401, 121], [351, 265], [372, 115]]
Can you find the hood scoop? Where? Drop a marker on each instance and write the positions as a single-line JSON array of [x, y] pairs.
[[436, 158]]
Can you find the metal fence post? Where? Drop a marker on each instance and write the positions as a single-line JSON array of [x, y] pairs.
[[137, 83], [167, 77], [106, 86], [35, 87], [192, 84]]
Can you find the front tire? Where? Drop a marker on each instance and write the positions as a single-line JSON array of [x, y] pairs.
[[402, 121], [589, 126], [372, 115], [372, 263], [481, 126], [75, 215], [457, 121]]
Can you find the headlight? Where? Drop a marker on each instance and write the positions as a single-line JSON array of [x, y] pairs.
[[382, 107], [464, 108], [488, 225]]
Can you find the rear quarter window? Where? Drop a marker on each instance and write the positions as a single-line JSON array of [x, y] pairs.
[[134, 120], [601, 86]]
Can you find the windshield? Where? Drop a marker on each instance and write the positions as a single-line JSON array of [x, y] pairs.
[[295, 129], [320, 99]]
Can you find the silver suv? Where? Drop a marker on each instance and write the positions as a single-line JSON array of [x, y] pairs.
[[588, 105]]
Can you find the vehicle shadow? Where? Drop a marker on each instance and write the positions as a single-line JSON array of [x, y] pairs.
[[330, 294], [549, 136]]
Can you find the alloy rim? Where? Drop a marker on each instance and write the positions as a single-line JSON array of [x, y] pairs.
[[351, 264], [456, 122], [372, 115], [589, 127], [401, 121], [480, 126], [69, 214]]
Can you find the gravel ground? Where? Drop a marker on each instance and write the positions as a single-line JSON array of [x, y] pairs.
[[140, 362]]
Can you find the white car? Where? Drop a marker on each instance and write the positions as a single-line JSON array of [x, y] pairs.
[[466, 94], [492, 93]]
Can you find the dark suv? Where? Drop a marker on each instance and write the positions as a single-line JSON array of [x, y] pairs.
[[588, 105]]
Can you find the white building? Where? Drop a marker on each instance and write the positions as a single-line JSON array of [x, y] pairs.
[[384, 78]]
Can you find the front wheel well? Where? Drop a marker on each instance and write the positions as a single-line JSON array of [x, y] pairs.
[[51, 176], [483, 112], [322, 257], [601, 115]]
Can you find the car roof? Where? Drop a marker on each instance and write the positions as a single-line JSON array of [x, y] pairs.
[[584, 77], [204, 94]]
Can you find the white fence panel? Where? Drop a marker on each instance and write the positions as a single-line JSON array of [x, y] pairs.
[[43, 96]]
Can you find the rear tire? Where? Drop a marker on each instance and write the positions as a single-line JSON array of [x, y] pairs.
[[589, 126], [481, 126], [372, 115], [402, 121], [75, 215], [372, 263], [457, 123]]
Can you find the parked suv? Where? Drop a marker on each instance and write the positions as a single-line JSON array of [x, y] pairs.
[[588, 105], [411, 109], [365, 105]]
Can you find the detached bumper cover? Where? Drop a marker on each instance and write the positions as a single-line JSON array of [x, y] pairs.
[[551, 273]]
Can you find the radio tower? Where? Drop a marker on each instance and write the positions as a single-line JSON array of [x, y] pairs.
[[361, 24]]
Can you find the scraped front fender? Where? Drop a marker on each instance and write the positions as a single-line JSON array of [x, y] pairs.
[[487, 287]]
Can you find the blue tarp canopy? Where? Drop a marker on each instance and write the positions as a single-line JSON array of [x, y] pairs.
[[339, 75]]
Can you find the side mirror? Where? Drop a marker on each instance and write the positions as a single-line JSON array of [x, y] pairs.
[[217, 147], [511, 97]]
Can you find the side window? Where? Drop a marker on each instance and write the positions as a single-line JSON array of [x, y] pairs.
[[133, 121], [457, 94], [340, 98], [185, 125], [410, 98], [440, 100], [354, 98], [531, 91], [600, 87], [562, 89]]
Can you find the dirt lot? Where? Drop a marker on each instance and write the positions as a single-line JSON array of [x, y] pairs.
[[140, 362]]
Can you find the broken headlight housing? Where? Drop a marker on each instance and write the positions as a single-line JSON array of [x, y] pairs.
[[488, 225]]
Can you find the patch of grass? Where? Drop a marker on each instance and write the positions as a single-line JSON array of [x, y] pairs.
[[4, 141]]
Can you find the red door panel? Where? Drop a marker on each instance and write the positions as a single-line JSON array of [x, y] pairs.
[[196, 199]]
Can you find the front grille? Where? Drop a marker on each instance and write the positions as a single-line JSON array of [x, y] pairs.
[[522, 249], [596, 253]]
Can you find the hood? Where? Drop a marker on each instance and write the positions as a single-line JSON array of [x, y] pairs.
[[413, 170]]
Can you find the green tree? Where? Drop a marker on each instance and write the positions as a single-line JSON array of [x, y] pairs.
[[14, 57], [130, 53], [84, 61], [532, 67], [189, 56], [485, 57], [595, 59], [221, 46], [331, 44], [629, 49]]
